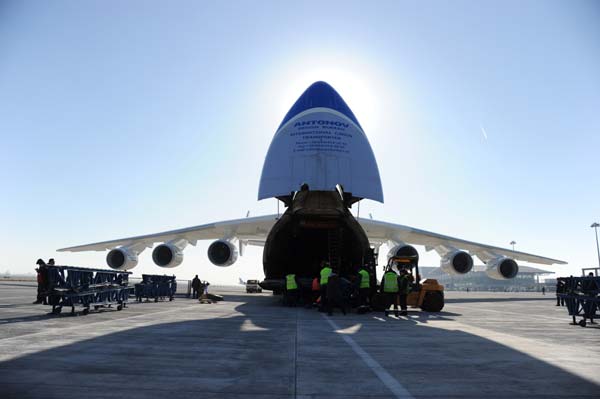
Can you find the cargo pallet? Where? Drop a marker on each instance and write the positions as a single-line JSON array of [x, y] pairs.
[[582, 298], [156, 287], [73, 286]]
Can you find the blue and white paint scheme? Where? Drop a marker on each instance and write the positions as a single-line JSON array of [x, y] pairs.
[[320, 143]]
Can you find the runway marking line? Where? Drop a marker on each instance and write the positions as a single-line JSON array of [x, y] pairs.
[[393, 385]]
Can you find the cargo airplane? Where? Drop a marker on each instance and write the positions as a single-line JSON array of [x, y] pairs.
[[319, 164]]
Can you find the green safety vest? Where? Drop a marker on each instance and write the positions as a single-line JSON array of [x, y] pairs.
[[290, 283], [325, 272], [390, 282], [365, 279]]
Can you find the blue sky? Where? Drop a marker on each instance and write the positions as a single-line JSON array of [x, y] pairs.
[[124, 118]]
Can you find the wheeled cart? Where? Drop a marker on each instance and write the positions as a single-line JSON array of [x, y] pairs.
[[156, 287], [72, 286]]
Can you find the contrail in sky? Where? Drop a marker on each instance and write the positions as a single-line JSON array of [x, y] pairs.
[[484, 132]]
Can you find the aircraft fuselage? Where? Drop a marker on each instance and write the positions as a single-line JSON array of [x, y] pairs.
[[317, 226]]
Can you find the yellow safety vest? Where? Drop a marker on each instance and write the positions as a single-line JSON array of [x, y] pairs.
[[390, 282], [325, 272], [365, 279], [290, 283]]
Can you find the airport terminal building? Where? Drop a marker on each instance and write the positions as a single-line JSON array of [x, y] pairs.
[[528, 279]]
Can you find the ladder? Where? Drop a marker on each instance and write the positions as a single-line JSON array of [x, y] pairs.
[[334, 243]]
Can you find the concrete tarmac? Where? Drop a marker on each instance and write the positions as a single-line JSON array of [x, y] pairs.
[[483, 345]]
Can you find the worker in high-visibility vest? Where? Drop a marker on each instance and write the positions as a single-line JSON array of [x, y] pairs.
[[389, 289], [291, 290], [404, 281], [315, 292], [326, 271], [364, 287]]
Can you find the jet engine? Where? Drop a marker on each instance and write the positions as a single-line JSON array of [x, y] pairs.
[[403, 250], [456, 262], [167, 255], [222, 253], [502, 268], [122, 259]]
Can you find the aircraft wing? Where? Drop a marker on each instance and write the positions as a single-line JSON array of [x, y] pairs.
[[381, 232], [252, 230]]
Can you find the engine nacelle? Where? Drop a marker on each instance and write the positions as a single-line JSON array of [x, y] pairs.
[[403, 250], [502, 268], [456, 262], [222, 253], [122, 259], [167, 255]]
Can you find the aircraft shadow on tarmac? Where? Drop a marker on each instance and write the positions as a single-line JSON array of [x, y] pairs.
[[265, 352], [24, 319], [11, 306]]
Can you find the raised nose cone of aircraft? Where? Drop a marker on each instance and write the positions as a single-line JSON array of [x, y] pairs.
[[320, 95], [320, 143]]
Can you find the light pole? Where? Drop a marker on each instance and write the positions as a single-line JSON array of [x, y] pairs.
[[595, 226], [513, 244]]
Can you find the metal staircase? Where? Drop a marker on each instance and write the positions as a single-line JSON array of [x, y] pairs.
[[335, 241]]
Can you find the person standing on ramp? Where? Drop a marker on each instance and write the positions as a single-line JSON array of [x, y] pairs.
[[389, 288]]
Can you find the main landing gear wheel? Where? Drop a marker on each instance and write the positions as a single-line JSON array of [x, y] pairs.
[[433, 301], [582, 323], [120, 307], [86, 311]]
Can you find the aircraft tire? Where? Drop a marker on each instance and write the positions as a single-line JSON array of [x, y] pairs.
[[433, 301]]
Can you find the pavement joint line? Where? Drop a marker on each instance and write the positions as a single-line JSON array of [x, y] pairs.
[[393, 385], [514, 313]]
